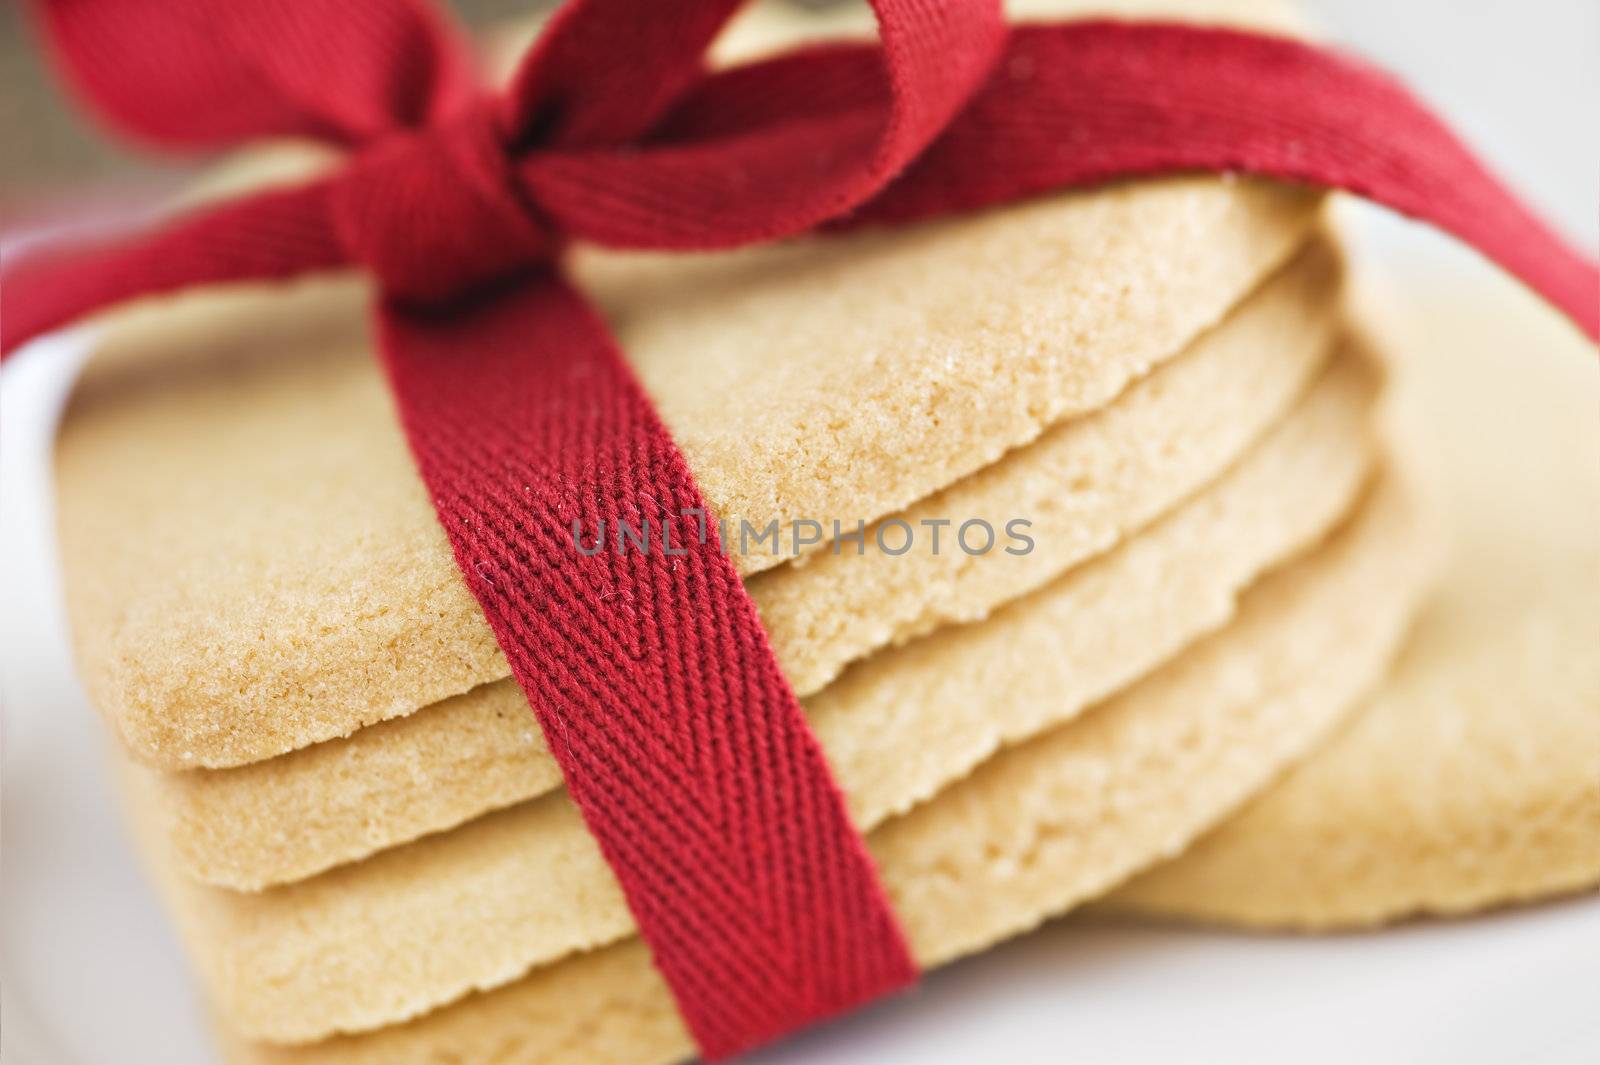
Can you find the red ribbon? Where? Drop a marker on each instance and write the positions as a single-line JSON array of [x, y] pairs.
[[651, 676]]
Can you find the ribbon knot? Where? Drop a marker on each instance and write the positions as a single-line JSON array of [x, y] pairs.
[[436, 212]]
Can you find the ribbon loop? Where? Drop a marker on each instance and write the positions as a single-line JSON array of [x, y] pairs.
[[199, 74], [783, 170], [436, 213]]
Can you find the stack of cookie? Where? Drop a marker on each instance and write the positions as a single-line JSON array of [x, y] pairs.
[[1107, 540]]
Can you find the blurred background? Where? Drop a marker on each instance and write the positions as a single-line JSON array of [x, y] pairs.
[[1520, 80]]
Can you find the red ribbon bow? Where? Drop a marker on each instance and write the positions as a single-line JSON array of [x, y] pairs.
[[651, 676]]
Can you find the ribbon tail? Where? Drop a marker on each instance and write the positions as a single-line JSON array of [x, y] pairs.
[[1085, 103], [272, 235], [649, 671]]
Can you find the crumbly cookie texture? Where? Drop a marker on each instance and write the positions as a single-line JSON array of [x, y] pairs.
[[1034, 831], [485, 902], [1472, 778], [252, 564], [1084, 486]]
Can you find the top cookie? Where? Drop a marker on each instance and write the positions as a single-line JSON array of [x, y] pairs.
[[244, 536]]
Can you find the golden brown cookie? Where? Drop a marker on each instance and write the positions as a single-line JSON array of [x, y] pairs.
[[252, 564]]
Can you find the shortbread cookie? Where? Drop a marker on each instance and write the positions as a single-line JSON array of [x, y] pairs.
[[1472, 779], [1035, 830], [485, 901], [252, 564], [1083, 485]]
